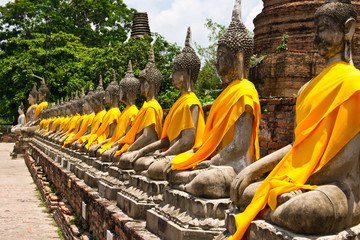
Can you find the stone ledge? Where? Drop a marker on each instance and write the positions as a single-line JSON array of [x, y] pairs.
[[260, 229], [101, 215]]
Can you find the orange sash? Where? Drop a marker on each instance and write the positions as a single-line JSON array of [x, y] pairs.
[[150, 113], [40, 107], [112, 116], [327, 119], [96, 122], [126, 118], [224, 113], [179, 119]]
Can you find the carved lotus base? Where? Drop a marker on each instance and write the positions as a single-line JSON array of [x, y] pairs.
[[92, 177], [109, 186]]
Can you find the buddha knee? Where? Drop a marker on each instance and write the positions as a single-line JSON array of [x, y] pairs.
[[247, 196], [214, 183], [158, 169], [143, 163], [321, 211]]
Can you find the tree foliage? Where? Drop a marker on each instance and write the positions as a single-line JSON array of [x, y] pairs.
[[87, 39]]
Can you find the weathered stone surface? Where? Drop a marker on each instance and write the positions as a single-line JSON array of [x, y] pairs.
[[260, 229], [282, 74]]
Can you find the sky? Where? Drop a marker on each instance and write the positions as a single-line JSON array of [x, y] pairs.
[[171, 18]]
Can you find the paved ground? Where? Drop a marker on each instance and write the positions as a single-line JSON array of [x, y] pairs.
[[21, 216]]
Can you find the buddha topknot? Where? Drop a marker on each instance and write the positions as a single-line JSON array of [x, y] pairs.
[[188, 59], [237, 37], [113, 87], [151, 74], [44, 90], [339, 10], [130, 84]]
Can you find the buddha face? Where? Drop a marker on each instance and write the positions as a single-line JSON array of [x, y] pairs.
[[227, 63], [180, 78], [86, 106], [144, 88], [329, 37], [123, 95], [41, 97], [31, 99], [108, 99]]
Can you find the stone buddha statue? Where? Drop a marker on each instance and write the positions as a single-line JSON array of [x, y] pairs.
[[96, 102], [110, 120], [230, 141], [83, 120], [21, 121], [32, 99], [70, 124], [129, 87], [86, 118], [147, 125], [314, 182], [44, 94], [183, 126]]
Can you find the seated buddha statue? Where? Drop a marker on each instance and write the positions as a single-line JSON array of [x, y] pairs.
[[32, 99], [110, 120], [230, 139], [147, 125], [86, 119], [129, 87], [82, 123], [314, 181], [44, 94], [65, 112], [183, 126], [73, 122], [96, 102], [21, 121]]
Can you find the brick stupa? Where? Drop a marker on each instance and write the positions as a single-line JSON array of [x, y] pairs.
[[281, 74], [140, 25]]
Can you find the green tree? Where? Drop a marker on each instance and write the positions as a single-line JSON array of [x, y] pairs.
[[96, 22], [208, 85]]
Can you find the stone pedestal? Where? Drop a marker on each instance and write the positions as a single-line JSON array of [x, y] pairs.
[[183, 216], [141, 194], [260, 229]]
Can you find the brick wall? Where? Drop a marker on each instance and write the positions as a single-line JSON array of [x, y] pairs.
[[277, 124]]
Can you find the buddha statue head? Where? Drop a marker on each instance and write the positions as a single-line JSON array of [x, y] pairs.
[[129, 86], [33, 96], [334, 29], [150, 79], [98, 100], [186, 67], [87, 106], [44, 92], [235, 49], [80, 102], [112, 92], [21, 108]]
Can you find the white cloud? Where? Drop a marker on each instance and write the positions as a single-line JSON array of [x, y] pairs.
[[3, 2], [171, 18]]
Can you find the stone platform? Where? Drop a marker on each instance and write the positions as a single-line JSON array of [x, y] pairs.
[[99, 216], [171, 219], [141, 194]]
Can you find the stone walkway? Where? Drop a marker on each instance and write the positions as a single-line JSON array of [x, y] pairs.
[[21, 216]]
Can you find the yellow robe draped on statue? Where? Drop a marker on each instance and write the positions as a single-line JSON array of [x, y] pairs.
[[94, 125], [80, 124], [126, 118], [41, 124], [86, 122], [179, 119], [56, 123], [64, 124], [112, 116], [71, 125], [20, 117], [327, 117], [47, 125], [40, 107], [150, 113], [219, 128]]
